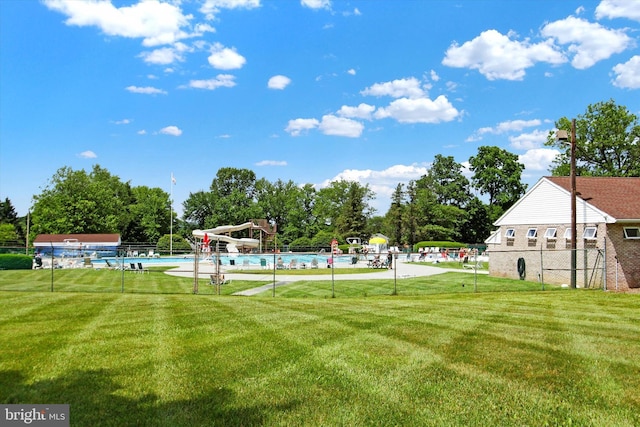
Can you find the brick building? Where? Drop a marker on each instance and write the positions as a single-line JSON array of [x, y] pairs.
[[535, 233]]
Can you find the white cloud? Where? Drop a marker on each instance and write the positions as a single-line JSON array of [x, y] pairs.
[[148, 90], [171, 130], [221, 80], [538, 159], [165, 55], [422, 110], [88, 155], [278, 82], [528, 141], [142, 132], [510, 126], [628, 74], [618, 9], [351, 71], [496, 56], [123, 122], [224, 58], [297, 126], [272, 163], [155, 22], [316, 4], [340, 126], [589, 42], [362, 111], [212, 7], [434, 76], [398, 88]]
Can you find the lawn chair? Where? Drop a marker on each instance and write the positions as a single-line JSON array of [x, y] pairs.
[[280, 264], [354, 260], [314, 263], [218, 279], [109, 265], [132, 267], [476, 266], [141, 269], [293, 264], [87, 263]]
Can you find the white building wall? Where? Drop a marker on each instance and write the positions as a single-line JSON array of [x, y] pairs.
[[546, 203]]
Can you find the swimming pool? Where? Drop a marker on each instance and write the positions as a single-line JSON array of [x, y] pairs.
[[239, 260]]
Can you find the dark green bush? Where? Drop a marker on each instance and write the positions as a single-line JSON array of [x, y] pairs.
[[15, 262], [180, 245]]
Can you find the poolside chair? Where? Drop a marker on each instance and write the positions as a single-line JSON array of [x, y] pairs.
[[314, 263], [218, 279], [87, 263], [280, 264], [293, 264], [475, 266], [132, 267], [109, 265], [354, 260], [141, 269], [245, 263]]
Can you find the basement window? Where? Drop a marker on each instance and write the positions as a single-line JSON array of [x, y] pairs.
[[632, 232], [590, 233], [550, 234]]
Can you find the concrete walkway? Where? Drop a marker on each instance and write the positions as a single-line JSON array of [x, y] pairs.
[[404, 270]]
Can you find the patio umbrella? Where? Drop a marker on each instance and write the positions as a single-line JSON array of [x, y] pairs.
[[377, 240]]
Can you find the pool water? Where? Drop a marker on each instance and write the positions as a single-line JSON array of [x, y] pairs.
[[239, 260]]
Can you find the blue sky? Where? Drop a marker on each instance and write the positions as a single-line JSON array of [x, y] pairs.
[[308, 91]]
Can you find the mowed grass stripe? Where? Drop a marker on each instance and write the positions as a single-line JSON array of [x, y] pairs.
[[435, 360]]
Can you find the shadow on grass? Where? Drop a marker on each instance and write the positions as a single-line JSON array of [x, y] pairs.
[[96, 399]]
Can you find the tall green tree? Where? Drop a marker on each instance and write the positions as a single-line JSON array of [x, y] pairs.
[[344, 206], [477, 225], [8, 213], [286, 205], [81, 202], [198, 208], [607, 142], [447, 182], [395, 216], [233, 197], [498, 173], [150, 214]]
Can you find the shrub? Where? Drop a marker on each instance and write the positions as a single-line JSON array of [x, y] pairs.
[[15, 262], [180, 244], [300, 244]]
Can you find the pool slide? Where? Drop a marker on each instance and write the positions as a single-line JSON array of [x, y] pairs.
[[232, 243]]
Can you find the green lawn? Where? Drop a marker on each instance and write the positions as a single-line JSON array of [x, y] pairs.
[[487, 358]]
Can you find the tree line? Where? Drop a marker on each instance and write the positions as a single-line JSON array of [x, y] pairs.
[[442, 205]]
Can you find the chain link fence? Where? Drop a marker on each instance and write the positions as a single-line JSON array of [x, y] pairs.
[[553, 267]]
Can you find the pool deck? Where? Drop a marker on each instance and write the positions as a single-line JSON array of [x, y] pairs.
[[404, 270]]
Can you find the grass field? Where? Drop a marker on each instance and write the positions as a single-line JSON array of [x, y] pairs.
[[437, 358]]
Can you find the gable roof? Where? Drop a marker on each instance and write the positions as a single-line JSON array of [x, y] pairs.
[[112, 239], [617, 196]]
